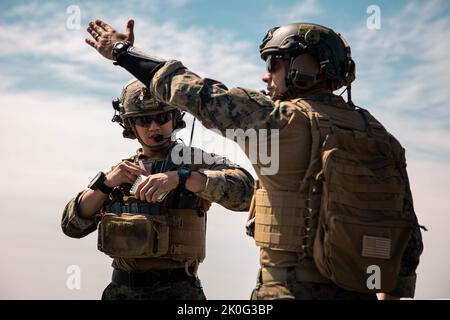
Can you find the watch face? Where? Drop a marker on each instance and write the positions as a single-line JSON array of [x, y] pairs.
[[119, 45], [93, 181], [184, 171]]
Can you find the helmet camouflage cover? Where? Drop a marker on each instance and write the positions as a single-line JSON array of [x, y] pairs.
[[329, 48], [137, 101]]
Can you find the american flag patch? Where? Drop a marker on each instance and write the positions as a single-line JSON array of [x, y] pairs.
[[376, 247]]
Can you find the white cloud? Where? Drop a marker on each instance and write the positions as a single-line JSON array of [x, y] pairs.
[[178, 3], [403, 73], [295, 12], [211, 51], [78, 74], [307, 7], [431, 201], [32, 9]]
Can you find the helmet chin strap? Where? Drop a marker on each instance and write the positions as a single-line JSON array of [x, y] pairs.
[[349, 96]]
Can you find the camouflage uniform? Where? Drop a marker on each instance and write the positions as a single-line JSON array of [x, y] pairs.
[[222, 108], [227, 184], [189, 289]]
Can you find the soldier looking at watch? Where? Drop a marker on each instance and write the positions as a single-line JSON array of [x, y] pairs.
[[150, 212]]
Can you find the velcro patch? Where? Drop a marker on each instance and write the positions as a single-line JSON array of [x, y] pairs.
[[376, 247]]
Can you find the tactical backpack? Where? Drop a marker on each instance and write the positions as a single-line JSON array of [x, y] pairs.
[[357, 187]]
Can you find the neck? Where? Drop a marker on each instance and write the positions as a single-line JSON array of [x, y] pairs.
[[158, 152], [305, 93]]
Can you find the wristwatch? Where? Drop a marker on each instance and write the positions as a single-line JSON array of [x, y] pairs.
[[98, 183], [119, 48], [183, 174]]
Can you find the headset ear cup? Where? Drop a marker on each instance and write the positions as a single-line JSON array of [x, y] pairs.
[[351, 74], [128, 134], [128, 131], [304, 71], [179, 122]]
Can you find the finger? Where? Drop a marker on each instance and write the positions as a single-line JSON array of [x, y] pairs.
[[98, 26], [94, 34], [130, 178], [149, 194], [129, 30], [91, 26], [98, 29], [91, 42], [144, 190], [144, 184], [132, 164], [104, 25], [134, 170], [140, 186], [156, 194]]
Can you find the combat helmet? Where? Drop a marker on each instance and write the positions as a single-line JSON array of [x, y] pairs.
[[301, 44], [136, 101]]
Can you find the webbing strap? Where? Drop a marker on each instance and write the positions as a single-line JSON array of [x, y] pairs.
[[133, 208], [284, 199], [191, 250], [281, 216], [361, 188], [351, 201], [272, 274]]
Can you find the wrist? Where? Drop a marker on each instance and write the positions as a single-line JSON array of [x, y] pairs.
[[136, 62], [98, 183], [183, 174], [109, 183], [176, 178], [196, 182], [120, 48]]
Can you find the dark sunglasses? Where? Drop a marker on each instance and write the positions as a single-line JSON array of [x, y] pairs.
[[144, 121], [272, 61]]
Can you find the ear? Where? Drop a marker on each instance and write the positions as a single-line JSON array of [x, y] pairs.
[[177, 120], [129, 131]]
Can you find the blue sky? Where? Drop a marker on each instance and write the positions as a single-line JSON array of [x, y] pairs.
[[56, 97]]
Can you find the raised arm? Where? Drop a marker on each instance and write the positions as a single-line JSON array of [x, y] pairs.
[[210, 101]]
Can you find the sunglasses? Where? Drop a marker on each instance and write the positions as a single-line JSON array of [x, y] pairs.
[[272, 61], [144, 121]]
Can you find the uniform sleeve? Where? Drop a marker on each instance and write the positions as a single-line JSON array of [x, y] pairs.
[[227, 184], [212, 102], [73, 225]]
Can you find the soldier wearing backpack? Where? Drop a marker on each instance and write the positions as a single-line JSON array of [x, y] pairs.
[[336, 221]]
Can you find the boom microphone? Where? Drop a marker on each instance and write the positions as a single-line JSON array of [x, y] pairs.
[[159, 137]]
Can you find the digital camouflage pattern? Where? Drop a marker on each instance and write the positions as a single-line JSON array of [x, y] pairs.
[[212, 102], [221, 108], [189, 289], [306, 291]]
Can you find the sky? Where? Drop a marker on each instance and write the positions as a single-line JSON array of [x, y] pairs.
[[56, 132]]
